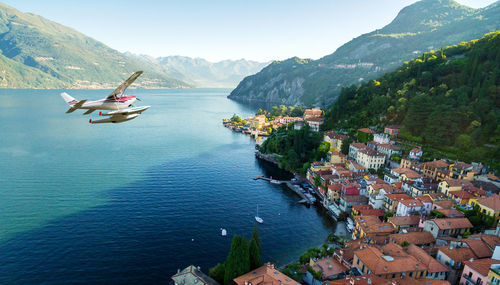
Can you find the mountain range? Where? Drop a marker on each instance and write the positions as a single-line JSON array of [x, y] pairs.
[[423, 26], [39, 53]]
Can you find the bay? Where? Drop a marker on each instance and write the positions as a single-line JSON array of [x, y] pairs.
[[134, 202]]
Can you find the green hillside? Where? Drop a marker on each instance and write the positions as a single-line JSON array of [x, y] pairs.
[[447, 99], [418, 28], [65, 56]]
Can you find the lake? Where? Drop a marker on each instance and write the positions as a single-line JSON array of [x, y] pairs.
[[134, 202]]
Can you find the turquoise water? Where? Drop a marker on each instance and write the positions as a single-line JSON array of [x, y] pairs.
[[123, 202]]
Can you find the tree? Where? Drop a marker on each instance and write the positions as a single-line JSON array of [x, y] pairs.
[[388, 214], [217, 273], [345, 145], [405, 243], [238, 260], [255, 249]]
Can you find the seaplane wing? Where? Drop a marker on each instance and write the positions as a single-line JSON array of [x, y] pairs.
[[119, 91], [128, 111]]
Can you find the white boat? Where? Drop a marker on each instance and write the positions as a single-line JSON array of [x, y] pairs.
[[223, 232], [257, 218]]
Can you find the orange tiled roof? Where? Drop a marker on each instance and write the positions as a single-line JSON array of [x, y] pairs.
[[404, 220], [366, 130], [481, 266], [490, 240], [424, 199], [399, 197], [436, 164], [462, 194], [432, 264], [457, 254], [361, 207], [417, 238], [452, 223], [445, 204], [329, 266], [479, 248], [492, 202], [412, 203], [373, 225], [265, 274], [372, 212], [376, 280], [334, 135], [397, 262], [451, 213]]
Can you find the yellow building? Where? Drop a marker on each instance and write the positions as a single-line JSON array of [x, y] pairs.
[[335, 140], [256, 122], [462, 170], [489, 206], [337, 157], [494, 274], [449, 185]]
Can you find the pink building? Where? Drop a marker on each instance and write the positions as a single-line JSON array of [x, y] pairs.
[[392, 130], [476, 271]]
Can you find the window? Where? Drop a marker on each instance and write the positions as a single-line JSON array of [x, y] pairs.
[[393, 275]]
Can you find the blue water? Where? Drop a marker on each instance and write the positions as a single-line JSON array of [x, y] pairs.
[[133, 202]]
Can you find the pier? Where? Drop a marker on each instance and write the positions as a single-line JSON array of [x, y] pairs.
[[294, 187]]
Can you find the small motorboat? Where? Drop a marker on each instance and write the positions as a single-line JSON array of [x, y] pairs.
[[223, 232]]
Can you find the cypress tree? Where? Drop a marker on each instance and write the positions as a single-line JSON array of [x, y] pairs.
[[255, 249], [238, 260]]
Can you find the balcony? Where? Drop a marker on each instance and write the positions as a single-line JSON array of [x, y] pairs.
[[476, 282]]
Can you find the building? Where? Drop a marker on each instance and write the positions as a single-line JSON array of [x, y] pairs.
[[417, 238], [315, 123], [447, 226], [346, 202], [335, 140], [388, 150], [435, 270], [391, 261], [461, 197], [449, 185], [381, 138], [369, 158], [476, 271], [494, 274], [330, 267], [415, 153], [370, 279], [336, 157], [407, 207], [256, 122], [437, 170], [462, 170], [369, 226], [192, 275], [453, 259], [312, 113], [405, 224], [354, 148], [265, 274], [391, 201], [489, 206], [392, 130]]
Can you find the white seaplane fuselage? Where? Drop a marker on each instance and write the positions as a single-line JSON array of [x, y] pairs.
[[108, 104]]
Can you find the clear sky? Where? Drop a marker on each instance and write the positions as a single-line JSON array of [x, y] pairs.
[[223, 29]]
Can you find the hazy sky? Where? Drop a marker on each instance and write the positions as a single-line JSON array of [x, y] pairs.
[[223, 29]]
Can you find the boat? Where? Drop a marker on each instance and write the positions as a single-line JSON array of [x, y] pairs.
[[274, 181], [257, 218], [223, 232]]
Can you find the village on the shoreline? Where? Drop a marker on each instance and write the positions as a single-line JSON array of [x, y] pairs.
[[410, 221]]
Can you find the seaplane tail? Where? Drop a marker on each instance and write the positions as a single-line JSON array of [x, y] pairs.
[[72, 102]]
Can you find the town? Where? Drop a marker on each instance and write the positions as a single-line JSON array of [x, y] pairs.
[[409, 221]]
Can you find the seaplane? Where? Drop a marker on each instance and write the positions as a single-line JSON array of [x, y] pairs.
[[120, 105]]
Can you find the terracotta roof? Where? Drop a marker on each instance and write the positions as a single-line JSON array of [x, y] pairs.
[[412, 202], [397, 262], [399, 197], [359, 145], [491, 240], [361, 207], [313, 111], [492, 177], [479, 248], [265, 274], [366, 130], [451, 213], [329, 266], [436, 164], [376, 280], [355, 198], [372, 212], [424, 198], [335, 187], [492, 202], [445, 204], [315, 119], [334, 135], [432, 264], [457, 254], [416, 150], [404, 220], [462, 194], [436, 195], [411, 174], [373, 225], [481, 266], [417, 238], [378, 186], [452, 223], [371, 152]]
